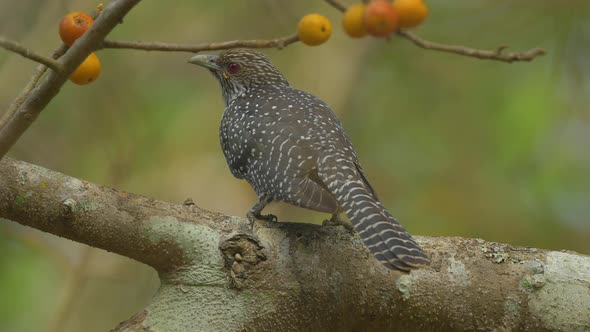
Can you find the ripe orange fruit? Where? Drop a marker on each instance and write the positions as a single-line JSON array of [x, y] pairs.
[[380, 18], [410, 12], [314, 29], [352, 22], [88, 71], [73, 25]]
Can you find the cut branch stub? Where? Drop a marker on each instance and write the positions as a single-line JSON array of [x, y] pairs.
[[241, 253]]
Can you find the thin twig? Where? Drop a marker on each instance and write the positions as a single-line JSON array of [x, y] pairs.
[[24, 94], [27, 53], [337, 5], [170, 47], [457, 49], [472, 52]]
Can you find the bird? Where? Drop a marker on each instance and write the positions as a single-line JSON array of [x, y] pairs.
[[290, 146]]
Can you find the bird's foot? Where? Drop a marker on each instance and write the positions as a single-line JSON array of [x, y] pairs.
[[253, 216], [336, 221]]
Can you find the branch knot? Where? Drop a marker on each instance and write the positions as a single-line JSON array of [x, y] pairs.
[[241, 253]]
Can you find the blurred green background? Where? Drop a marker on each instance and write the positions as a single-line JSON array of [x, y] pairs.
[[454, 146]]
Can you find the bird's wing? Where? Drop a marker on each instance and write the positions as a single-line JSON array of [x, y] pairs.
[[286, 158]]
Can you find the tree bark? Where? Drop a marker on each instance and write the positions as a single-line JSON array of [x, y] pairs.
[[217, 276]]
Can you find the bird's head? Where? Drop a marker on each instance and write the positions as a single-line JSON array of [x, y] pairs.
[[240, 70]]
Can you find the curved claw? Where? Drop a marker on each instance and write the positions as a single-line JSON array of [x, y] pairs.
[[252, 217], [254, 212]]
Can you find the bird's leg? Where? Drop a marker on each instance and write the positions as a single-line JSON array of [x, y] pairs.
[[254, 212], [336, 221]]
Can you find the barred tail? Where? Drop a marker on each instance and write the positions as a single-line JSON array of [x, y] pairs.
[[391, 244]]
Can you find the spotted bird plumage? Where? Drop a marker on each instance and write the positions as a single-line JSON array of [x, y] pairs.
[[290, 146]]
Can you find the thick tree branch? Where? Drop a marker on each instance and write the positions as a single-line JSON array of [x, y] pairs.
[[170, 47], [457, 49], [294, 277], [29, 54], [50, 86], [90, 214]]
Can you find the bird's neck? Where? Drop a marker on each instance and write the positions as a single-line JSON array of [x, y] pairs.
[[229, 96], [234, 93]]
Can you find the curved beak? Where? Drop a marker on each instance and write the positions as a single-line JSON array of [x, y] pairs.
[[208, 61]]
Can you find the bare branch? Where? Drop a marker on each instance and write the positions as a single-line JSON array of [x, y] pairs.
[[29, 54], [457, 49], [147, 46], [472, 52], [41, 95], [169, 47]]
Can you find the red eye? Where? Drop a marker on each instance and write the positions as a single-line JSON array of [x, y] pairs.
[[233, 67]]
